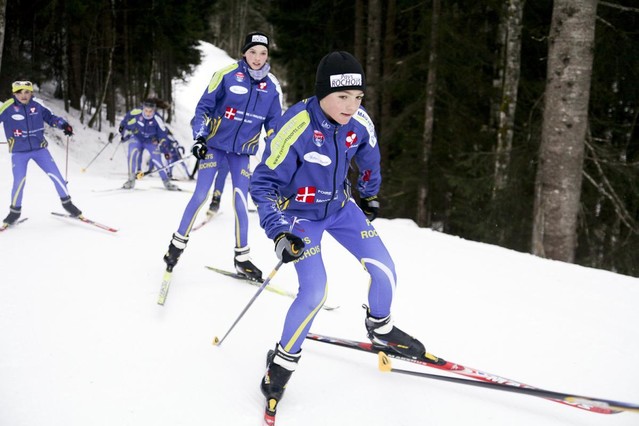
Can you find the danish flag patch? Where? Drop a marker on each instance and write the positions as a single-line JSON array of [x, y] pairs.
[[306, 194], [230, 113]]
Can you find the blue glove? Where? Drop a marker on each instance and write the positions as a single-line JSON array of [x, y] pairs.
[[199, 149]]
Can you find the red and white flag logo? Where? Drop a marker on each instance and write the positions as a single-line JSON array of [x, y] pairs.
[[230, 113], [17, 133], [306, 194]]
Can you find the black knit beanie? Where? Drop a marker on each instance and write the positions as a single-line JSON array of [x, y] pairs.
[[338, 71], [253, 39]]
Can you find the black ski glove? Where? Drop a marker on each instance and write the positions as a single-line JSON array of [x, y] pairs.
[[68, 130], [199, 149], [288, 247], [370, 207]]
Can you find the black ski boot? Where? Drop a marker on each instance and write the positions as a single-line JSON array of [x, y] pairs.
[[176, 247], [13, 216], [244, 266], [280, 365], [382, 332], [215, 204], [70, 207]]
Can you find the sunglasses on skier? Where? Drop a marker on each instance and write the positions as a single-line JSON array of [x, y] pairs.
[[17, 86]]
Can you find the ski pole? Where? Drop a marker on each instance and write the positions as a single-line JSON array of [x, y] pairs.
[[66, 163], [141, 174], [117, 147], [614, 406], [216, 340], [192, 175], [84, 169]]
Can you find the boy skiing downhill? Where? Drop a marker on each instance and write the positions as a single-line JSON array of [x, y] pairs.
[[23, 118], [302, 190]]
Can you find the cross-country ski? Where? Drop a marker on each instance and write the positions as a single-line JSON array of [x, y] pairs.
[[86, 220]]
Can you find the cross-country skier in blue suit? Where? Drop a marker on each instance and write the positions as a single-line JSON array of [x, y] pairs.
[[240, 100], [302, 190], [147, 131], [23, 118]]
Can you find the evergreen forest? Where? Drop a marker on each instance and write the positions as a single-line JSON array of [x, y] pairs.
[[457, 90]]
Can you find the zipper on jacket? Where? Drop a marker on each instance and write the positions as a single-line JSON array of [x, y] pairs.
[[26, 121], [248, 101], [335, 171]]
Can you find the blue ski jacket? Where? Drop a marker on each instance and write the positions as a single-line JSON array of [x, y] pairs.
[[234, 107], [304, 169], [145, 130], [24, 124]]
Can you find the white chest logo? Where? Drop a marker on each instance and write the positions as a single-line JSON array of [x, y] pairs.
[[238, 90], [317, 158]]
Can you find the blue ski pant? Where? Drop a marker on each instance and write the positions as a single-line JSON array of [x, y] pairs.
[[240, 176], [220, 178], [42, 157], [350, 228], [136, 148]]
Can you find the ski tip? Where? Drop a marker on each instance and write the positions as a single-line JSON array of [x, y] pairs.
[[384, 362], [269, 420], [269, 412]]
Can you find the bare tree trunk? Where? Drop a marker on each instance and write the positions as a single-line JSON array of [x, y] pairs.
[[242, 30], [559, 174], [510, 66], [72, 35], [65, 67], [87, 61], [388, 66], [107, 80], [3, 24], [423, 212], [373, 58], [127, 64], [360, 29]]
